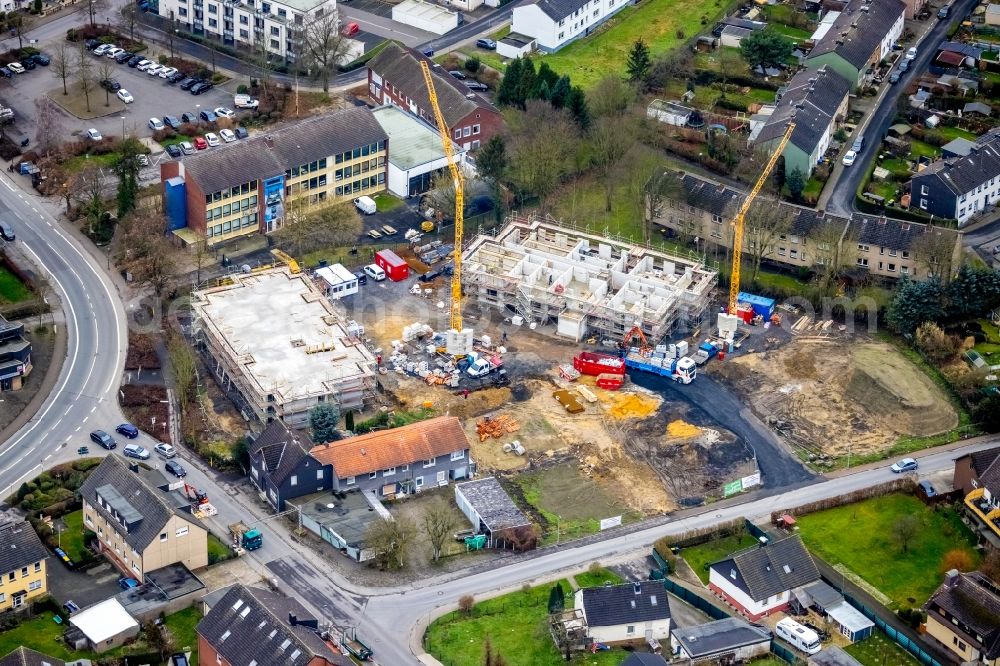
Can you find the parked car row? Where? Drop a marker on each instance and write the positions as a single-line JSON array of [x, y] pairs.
[[209, 140], [171, 75], [29, 63], [129, 431]]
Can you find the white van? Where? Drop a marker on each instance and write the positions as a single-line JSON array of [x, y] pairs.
[[366, 205], [803, 638], [245, 102], [375, 272]]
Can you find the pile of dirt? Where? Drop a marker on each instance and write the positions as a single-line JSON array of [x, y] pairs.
[[680, 429], [630, 405]]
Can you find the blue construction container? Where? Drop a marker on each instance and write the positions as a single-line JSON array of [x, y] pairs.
[[761, 305], [175, 197]]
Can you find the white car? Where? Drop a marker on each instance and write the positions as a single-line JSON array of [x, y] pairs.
[[849, 157], [911, 53], [103, 48], [212, 139], [223, 112], [94, 135], [112, 52], [227, 135], [125, 96], [167, 71], [144, 65], [165, 450], [16, 67], [154, 70], [156, 124]]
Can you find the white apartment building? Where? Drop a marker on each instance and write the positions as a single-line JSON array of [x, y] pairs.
[[274, 26], [555, 23]]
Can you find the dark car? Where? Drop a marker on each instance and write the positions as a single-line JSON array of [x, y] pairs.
[[175, 468], [92, 44], [28, 63], [362, 277], [487, 44], [111, 84], [458, 74], [430, 276], [41, 59], [241, 132], [175, 77], [894, 78], [173, 150], [128, 430], [6, 73], [104, 439], [172, 122], [189, 118], [135, 60], [477, 86], [904, 65], [124, 56], [189, 83], [206, 115], [199, 88]]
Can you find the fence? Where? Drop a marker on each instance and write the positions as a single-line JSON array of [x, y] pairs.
[[783, 653], [896, 636], [698, 602]]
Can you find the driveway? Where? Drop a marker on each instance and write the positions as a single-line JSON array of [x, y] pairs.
[[84, 588]]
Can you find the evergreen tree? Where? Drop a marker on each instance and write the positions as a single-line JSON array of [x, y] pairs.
[[546, 74], [796, 182], [541, 91], [577, 105], [323, 419], [127, 169], [560, 92], [509, 85], [638, 64], [973, 292], [915, 303], [349, 421], [527, 84], [557, 599]]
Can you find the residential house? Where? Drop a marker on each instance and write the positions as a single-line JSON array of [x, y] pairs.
[[555, 23], [395, 77], [816, 101], [644, 659], [670, 113], [861, 36], [247, 187], [140, 524], [963, 615], [730, 640], [23, 656], [914, 7], [965, 55], [275, 27], [958, 188], [759, 581], [23, 576], [626, 612], [489, 508], [250, 626], [732, 29], [897, 248], [403, 460], [977, 475], [15, 355], [281, 467]]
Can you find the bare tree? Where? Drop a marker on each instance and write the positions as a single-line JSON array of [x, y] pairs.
[[904, 531], [128, 18], [147, 253], [94, 7], [84, 73], [662, 190], [63, 63], [441, 196], [610, 139], [390, 540], [832, 248], [324, 46], [610, 97], [309, 228], [201, 255], [544, 142], [48, 126], [934, 251], [765, 223], [106, 72], [90, 184], [184, 365], [21, 23], [439, 521]]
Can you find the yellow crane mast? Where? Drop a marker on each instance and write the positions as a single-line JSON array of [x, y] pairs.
[[734, 276], [456, 176]]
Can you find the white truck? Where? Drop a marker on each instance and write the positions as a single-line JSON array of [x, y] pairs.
[[245, 102], [366, 205]]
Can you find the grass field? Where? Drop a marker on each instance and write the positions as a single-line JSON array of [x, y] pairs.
[[516, 625], [880, 651], [990, 350], [217, 549], [921, 149], [12, 290], [40, 633], [79, 162], [72, 538], [182, 627], [956, 133], [386, 202], [699, 557], [860, 536]]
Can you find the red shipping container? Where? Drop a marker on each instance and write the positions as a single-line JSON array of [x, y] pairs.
[[395, 268]]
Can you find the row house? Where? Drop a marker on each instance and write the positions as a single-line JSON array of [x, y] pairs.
[[859, 39], [553, 24], [23, 576], [963, 186]]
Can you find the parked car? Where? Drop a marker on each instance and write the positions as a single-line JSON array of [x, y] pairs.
[[207, 116], [155, 70], [16, 67], [124, 57], [5, 72], [487, 44], [171, 122], [103, 48], [187, 148], [477, 86], [104, 439], [125, 96], [41, 59], [127, 583], [91, 44], [944, 12], [859, 144], [174, 150], [894, 78], [241, 132], [227, 135], [849, 158], [245, 102], [189, 118], [7, 232], [134, 61], [28, 63], [351, 29], [188, 82], [165, 450], [200, 143], [904, 65], [175, 77], [113, 53], [911, 53], [94, 135], [128, 430], [362, 277], [904, 465], [458, 74], [135, 451], [199, 88], [144, 65], [212, 139], [175, 468], [223, 112], [155, 124], [167, 72], [110, 85]]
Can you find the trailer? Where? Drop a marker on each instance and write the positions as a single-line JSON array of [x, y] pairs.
[[706, 351], [356, 647], [593, 363], [682, 370], [610, 381], [392, 264]]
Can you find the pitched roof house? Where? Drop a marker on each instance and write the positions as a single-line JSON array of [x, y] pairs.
[[250, 626], [281, 467], [626, 612], [964, 616], [23, 573], [395, 77], [958, 188], [140, 524], [977, 475], [555, 23], [859, 38], [23, 656], [759, 581], [428, 453]]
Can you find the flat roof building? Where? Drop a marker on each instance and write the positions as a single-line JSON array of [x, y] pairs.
[[417, 153], [584, 283], [488, 507], [277, 347], [105, 625]]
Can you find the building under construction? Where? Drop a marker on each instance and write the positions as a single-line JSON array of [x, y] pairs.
[[277, 347], [582, 283]]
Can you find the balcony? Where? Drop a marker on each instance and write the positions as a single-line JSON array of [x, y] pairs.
[[983, 510]]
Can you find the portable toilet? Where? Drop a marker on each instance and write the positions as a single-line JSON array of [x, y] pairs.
[[395, 268]]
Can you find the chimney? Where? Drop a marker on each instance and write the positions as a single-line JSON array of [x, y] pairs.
[[951, 578], [134, 467], [292, 620], [637, 588]]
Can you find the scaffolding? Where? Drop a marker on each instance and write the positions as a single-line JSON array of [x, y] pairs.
[[583, 283]]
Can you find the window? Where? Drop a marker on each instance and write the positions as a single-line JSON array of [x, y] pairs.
[[561, 34], [275, 44], [38, 567], [294, 481], [892, 268], [630, 629], [905, 270], [391, 471], [34, 585], [458, 455], [467, 131], [892, 253], [923, 190], [418, 482], [430, 462], [182, 11], [458, 133], [862, 247], [213, 9], [244, 34], [794, 254], [732, 574], [24, 572], [163, 537], [244, 19], [862, 261], [181, 531], [349, 481], [923, 204], [475, 129], [906, 254], [372, 475], [781, 251], [319, 474], [275, 30]]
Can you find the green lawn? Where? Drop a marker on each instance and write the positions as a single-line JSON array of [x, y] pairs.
[[182, 627], [884, 189], [79, 162], [956, 133], [40, 633], [990, 350], [516, 625], [386, 202], [779, 281], [880, 651], [860, 536], [813, 188], [787, 30], [12, 290], [175, 139], [699, 557], [340, 254], [662, 24], [72, 538], [217, 549], [594, 578], [920, 149], [897, 166]]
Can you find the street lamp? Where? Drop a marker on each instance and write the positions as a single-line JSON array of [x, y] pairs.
[[123, 128]]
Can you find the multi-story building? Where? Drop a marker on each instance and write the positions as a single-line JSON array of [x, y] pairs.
[[963, 616], [281, 467], [141, 525], [22, 565], [555, 23], [273, 27], [395, 77], [859, 39], [977, 475], [958, 188], [251, 186], [15, 355]]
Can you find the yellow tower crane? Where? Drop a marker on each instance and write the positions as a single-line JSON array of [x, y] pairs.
[[734, 276], [456, 176]]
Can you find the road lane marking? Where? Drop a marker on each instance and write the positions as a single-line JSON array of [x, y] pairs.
[[46, 457]]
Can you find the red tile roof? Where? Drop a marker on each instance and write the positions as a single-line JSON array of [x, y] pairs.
[[393, 448]]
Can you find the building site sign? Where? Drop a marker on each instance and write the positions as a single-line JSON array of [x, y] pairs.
[[732, 488], [608, 523], [751, 481]]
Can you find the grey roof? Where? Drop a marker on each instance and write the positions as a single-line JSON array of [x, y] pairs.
[[492, 503], [774, 568], [271, 154], [250, 625], [974, 600], [559, 9], [865, 24], [822, 594], [19, 546], [400, 66], [719, 637], [744, 23], [213, 597], [893, 234], [964, 174], [153, 507], [967, 50], [958, 147], [23, 656], [977, 107], [833, 656], [811, 99], [708, 195], [610, 605], [986, 465], [281, 448], [644, 659], [807, 220]]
